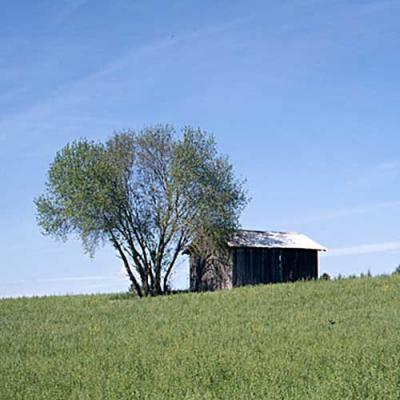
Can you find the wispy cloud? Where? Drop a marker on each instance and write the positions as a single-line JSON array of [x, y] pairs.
[[389, 166], [364, 249], [376, 173], [345, 212], [82, 85], [379, 172], [95, 278], [157, 46]]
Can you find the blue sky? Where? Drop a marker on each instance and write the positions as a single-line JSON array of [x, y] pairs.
[[303, 96]]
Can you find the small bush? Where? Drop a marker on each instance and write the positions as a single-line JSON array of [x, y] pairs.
[[325, 277]]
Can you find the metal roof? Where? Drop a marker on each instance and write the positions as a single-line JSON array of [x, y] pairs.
[[265, 239]]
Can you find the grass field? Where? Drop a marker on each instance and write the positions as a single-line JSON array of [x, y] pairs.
[[305, 340]]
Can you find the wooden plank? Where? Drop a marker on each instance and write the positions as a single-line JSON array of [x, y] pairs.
[[234, 268], [256, 266]]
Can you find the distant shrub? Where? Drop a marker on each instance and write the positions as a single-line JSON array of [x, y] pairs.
[[397, 270], [325, 277], [367, 275]]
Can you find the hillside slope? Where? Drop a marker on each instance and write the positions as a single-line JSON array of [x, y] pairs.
[[306, 340]]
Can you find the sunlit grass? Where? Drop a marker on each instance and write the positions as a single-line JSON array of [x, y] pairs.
[[305, 340]]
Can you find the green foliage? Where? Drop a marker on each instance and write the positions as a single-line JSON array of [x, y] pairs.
[[325, 277], [397, 270], [304, 340], [80, 193], [149, 193]]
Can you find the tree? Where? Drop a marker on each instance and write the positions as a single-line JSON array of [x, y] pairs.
[[150, 194]]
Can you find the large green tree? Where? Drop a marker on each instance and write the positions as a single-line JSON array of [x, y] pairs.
[[149, 193]]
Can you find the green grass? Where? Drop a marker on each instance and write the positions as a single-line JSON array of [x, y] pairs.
[[307, 340]]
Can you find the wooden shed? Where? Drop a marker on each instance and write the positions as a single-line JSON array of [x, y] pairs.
[[257, 257]]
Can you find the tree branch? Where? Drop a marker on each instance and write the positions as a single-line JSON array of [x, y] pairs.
[[132, 278], [172, 263]]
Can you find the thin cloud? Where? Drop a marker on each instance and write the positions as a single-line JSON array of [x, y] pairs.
[[74, 90], [345, 212], [67, 279], [374, 174], [364, 249], [389, 166]]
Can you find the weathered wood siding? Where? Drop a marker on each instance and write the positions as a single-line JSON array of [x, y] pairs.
[[252, 266], [211, 274]]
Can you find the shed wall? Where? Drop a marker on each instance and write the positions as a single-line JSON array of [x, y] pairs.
[[252, 266], [212, 273]]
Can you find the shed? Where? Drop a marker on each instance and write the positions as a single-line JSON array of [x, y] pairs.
[[257, 257]]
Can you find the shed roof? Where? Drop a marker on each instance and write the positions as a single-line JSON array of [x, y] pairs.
[[270, 239]]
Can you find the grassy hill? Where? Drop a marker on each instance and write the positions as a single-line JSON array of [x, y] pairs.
[[306, 340]]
